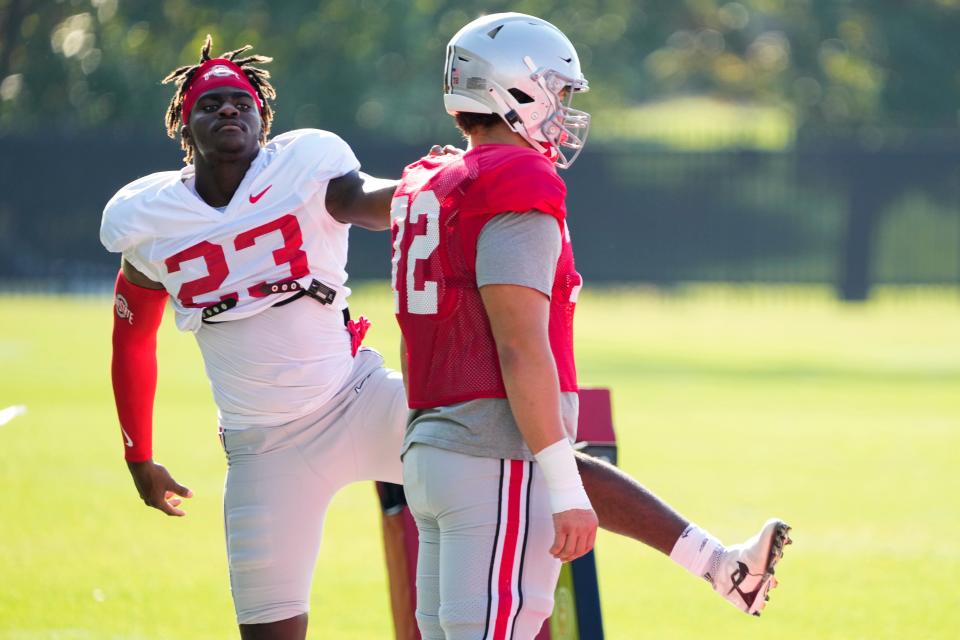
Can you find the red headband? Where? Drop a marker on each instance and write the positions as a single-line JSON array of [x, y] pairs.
[[213, 74]]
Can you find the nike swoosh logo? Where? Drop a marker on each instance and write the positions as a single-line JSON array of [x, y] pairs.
[[254, 198], [127, 437], [360, 386]]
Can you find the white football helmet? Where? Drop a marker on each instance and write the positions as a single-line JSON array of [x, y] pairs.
[[526, 71]]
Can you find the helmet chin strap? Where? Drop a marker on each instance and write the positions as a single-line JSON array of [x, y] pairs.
[[507, 105]]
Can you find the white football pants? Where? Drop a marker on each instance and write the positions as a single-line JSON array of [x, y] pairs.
[[280, 481]]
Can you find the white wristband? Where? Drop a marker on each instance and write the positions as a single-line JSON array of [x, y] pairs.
[[563, 479]]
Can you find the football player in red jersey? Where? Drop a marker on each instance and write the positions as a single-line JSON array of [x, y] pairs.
[[248, 242], [485, 289]]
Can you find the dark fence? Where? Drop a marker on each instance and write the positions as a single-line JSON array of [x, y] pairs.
[[827, 213]]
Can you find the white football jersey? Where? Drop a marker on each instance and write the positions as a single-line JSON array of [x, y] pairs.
[[276, 228], [267, 366]]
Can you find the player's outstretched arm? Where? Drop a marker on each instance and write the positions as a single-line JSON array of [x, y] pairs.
[[364, 200], [519, 318], [361, 199], [138, 310]]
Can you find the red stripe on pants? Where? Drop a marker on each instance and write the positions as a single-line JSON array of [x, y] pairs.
[[509, 556]]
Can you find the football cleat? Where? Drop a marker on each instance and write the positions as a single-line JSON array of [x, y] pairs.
[[743, 573]]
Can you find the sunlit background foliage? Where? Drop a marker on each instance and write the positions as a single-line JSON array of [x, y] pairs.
[[770, 68]]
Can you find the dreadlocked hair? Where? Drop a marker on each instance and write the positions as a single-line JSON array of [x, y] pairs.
[[259, 78]]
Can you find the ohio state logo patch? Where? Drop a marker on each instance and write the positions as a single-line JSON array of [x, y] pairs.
[[220, 71], [123, 309]]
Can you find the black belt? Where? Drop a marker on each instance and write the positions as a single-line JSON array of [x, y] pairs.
[[316, 290]]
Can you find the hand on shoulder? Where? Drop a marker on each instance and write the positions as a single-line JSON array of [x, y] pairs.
[[448, 149]]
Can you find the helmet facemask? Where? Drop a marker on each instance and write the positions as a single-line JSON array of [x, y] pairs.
[[547, 119], [566, 127]]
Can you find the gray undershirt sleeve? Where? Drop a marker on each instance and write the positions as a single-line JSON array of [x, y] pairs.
[[520, 249]]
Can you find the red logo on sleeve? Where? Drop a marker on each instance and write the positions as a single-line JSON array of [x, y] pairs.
[[123, 309]]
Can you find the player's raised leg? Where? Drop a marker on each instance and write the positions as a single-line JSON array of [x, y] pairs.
[[377, 428], [626, 507], [279, 483], [742, 574], [273, 518]]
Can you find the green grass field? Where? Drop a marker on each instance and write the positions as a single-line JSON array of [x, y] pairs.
[[733, 404]]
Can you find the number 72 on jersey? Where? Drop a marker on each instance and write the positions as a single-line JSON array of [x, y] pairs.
[[417, 237]]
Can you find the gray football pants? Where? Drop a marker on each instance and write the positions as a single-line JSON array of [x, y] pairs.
[[484, 571], [280, 481]]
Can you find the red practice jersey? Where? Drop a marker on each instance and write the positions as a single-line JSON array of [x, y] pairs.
[[438, 211]]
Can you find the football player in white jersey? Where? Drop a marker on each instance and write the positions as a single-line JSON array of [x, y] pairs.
[[249, 241]]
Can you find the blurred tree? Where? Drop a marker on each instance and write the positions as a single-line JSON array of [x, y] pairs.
[[857, 71], [375, 64], [855, 75]]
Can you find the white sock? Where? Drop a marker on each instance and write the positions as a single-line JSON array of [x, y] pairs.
[[698, 552]]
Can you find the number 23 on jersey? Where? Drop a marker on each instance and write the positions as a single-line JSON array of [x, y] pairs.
[[289, 254]]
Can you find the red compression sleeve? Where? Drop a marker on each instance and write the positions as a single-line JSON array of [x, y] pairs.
[[136, 319]]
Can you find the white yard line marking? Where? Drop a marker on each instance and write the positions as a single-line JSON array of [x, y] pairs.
[[8, 414]]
